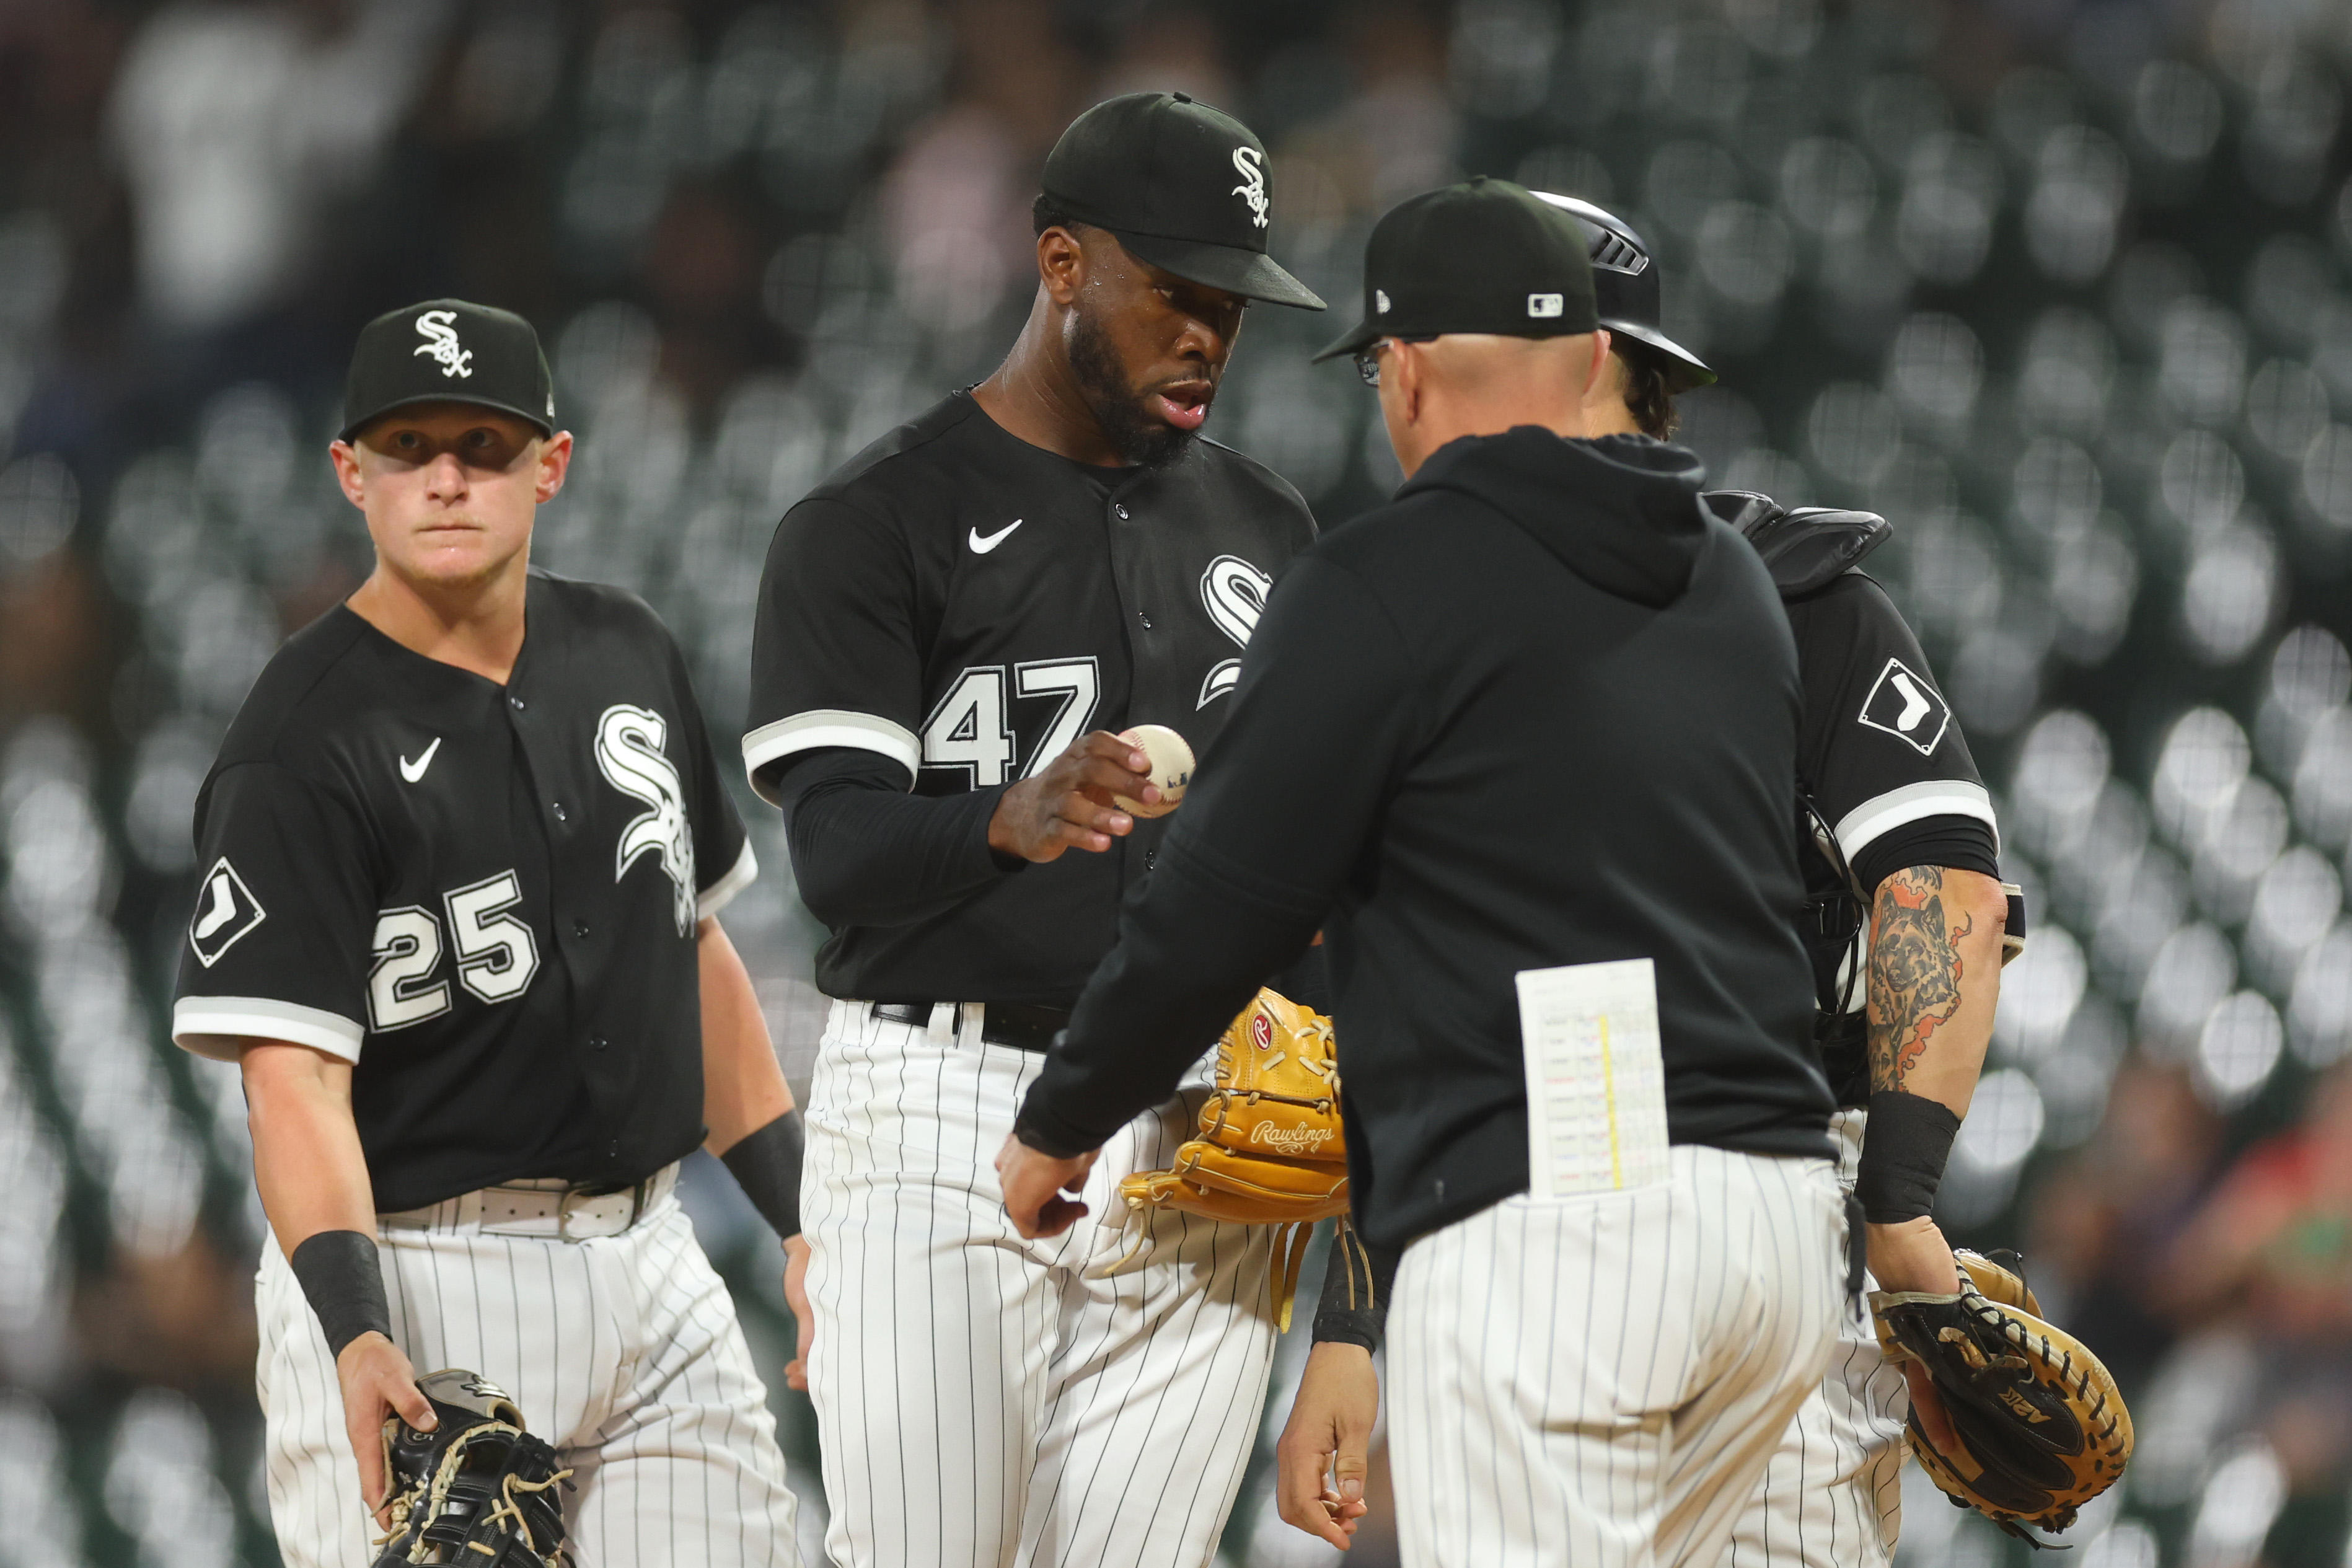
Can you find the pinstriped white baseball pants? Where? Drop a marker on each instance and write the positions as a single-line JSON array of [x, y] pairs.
[[623, 1352], [1832, 1496], [1600, 1381], [981, 1401]]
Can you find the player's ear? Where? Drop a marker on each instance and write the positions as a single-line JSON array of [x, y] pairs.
[[553, 462], [346, 458], [1061, 264], [1598, 371]]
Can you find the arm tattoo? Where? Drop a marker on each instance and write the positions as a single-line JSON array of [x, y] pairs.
[[1915, 973]]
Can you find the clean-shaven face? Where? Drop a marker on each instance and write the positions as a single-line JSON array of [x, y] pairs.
[[450, 489]]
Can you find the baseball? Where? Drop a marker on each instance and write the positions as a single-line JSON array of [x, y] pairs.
[[1171, 768]]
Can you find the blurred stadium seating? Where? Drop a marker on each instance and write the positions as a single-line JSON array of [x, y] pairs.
[[2061, 288]]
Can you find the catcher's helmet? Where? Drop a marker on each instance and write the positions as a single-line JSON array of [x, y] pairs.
[[1625, 287]]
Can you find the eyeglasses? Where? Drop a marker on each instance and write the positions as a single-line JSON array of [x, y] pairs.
[[1367, 358]]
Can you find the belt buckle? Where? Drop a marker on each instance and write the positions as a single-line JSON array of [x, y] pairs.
[[575, 1205]]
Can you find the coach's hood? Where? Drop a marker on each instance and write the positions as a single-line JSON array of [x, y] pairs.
[[1621, 512]]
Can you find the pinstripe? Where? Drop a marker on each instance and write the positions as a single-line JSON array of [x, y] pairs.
[[1082, 1381], [1624, 1453], [1832, 1494], [649, 1419]]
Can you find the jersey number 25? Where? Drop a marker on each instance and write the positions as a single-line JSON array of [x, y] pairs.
[[497, 954]]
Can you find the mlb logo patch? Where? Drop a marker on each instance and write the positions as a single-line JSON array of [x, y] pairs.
[[1540, 306], [226, 910], [1903, 704]]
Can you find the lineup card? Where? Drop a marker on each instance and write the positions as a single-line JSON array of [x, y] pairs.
[[1596, 1080]]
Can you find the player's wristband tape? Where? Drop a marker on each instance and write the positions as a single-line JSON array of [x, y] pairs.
[[1357, 1278], [1903, 1149], [344, 1283], [767, 1165]]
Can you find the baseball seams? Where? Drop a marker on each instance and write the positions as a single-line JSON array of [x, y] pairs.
[[982, 1400], [1832, 1496], [1600, 1380], [623, 1352]]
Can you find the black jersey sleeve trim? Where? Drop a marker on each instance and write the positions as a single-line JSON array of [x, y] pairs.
[[221, 1027], [721, 893], [1896, 808], [828, 727]]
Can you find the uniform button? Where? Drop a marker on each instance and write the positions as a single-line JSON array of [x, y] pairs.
[[596, 1041], [1150, 859], [613, 1150], [559, 812], [580, 927], [1122, 512], [1144, 618], [516, 703]]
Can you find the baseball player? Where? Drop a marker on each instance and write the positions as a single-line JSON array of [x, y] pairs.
[[949, 628], [1906, 831], [466, 844], [1551, 707]]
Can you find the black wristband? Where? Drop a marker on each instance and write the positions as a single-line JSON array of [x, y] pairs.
[[767, 1165], [1905, 1146], [1357, 1278], [344, 1284]]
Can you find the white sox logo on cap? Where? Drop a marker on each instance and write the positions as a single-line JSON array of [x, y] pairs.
[[439, 331], [1252, 186]]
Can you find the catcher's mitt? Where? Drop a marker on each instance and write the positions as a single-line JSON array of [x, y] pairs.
[[1270, 1149], [2042, 1429], [477, 1488]]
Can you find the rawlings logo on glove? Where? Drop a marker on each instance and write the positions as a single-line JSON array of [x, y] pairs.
[[1270, 1150]]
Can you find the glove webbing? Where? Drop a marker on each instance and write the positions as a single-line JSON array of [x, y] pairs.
[[433, 1491]]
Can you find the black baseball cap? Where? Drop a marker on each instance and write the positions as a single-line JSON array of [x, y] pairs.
[[1625, 287], [449, 350], [1481, 257], [1182, 184]]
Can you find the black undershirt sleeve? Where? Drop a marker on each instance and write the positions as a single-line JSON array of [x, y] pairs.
[[1956, 843], [1260, 851], [865, 852]]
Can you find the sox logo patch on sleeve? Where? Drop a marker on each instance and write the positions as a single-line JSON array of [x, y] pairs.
[[1904, 704], [226, 910]]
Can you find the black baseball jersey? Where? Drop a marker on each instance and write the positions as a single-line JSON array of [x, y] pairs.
[[483, 897], [1881, 756], [966, 605]]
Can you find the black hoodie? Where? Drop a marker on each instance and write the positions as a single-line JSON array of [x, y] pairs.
[[1541, 709]]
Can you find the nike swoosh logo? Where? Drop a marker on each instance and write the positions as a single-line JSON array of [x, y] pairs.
[[981, 546], [414, 771]]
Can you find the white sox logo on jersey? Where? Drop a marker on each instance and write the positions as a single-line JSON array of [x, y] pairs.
[[1234, 593], [439, 331], [629, 751], [1904, 705], [1246, 160], [225, 911]]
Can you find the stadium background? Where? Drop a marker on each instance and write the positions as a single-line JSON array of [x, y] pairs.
[[2060, 288]]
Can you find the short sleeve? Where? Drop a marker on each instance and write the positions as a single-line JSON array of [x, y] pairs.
[[834, 649], [1881, 748], [285, 932]]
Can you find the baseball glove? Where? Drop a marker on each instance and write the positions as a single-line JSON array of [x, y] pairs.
[[1270, 1149], [477, 1488], [2042, 1429]]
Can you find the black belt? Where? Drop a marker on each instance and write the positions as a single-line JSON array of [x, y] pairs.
[[1002, 1024]]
